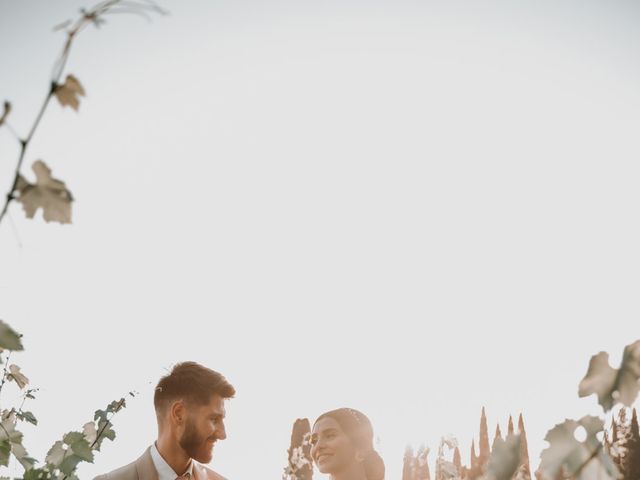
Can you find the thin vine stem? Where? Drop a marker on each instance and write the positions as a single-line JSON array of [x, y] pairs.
[[88, 16]]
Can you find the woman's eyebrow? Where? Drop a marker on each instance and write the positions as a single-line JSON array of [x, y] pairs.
[[329, 430]]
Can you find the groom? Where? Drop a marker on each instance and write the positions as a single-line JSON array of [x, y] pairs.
[[189, 404]]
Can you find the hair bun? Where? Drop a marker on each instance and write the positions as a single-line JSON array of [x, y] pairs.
[[373, 466]]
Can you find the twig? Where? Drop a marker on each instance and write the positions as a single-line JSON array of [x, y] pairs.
[[91, 16], [4, 374], [15, 229], [104, 427], [13, 131]]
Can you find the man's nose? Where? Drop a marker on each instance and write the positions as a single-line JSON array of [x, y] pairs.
[[221, 431]]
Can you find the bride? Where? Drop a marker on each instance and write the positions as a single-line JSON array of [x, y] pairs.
[[342, 446]]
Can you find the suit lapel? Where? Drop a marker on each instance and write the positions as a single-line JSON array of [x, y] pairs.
[[145, 467]]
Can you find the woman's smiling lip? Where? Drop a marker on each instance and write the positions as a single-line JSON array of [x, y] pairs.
[[324, 456]]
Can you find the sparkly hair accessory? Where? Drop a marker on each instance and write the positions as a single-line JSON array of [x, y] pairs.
[[355, 415]]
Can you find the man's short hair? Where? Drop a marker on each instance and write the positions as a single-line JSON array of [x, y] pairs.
[[192, 383]]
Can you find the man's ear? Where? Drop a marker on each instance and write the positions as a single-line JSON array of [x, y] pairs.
[[177, 412]]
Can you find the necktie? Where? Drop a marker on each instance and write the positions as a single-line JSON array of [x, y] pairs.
[[185, 476]]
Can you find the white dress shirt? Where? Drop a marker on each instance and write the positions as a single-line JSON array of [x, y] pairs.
[[165, 472]]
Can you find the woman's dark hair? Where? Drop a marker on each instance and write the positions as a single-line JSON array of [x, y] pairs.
[[357, 427], [193, 383]]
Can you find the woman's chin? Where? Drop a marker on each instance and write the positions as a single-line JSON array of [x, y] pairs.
[[325, 467]]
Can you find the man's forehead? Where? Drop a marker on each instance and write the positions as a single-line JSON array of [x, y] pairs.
[[216, 405]]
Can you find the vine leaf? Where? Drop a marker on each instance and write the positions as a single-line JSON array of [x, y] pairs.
[[568, 457], [11, 442], [17, 376], [47, 193], [68, 93], [613, 386], [90, 432], [56, 454], [505, 458], [104, 426], [79, 445], [27, 417], [5, 112], [5, 452], [9, 339], [67, 453]]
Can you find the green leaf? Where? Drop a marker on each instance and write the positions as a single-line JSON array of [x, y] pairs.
[[101, 415], [36, 474], [505, 458], [8, 429], [568, 456], [116, 405], [613, 386], [56, 454], [18, 451], [9, 339], [72, 437], [82, 449], [104, 431], [27, 417], [69, 464], [5, 452], [79, 445]]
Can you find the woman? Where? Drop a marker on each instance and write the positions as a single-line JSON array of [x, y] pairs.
[[342, 446]]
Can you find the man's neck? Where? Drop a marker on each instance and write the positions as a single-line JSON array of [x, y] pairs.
[[173, 454]]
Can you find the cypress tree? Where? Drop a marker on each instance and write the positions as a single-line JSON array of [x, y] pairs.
[[407, 464], [524, 469], [457, 461], [474, 459], [484, 454], [631, 461], [621, 435], [498, 436], [422, 464]]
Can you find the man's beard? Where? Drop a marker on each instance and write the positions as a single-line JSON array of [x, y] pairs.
[[193, 443]]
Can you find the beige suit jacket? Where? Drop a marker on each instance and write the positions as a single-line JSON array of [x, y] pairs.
[[144, 469]]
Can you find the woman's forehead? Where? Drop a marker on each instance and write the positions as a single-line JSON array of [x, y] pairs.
[[326, 423]]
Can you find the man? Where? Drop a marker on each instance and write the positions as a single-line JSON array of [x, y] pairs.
[[189, 404]]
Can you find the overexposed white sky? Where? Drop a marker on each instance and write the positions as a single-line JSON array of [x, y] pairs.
[[413, 208]]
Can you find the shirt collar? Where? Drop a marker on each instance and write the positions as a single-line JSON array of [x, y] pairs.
[[165, 472]]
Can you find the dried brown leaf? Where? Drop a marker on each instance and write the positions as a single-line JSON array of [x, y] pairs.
[[47, 193], [68, 93], [6, 111], [17, 376]]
